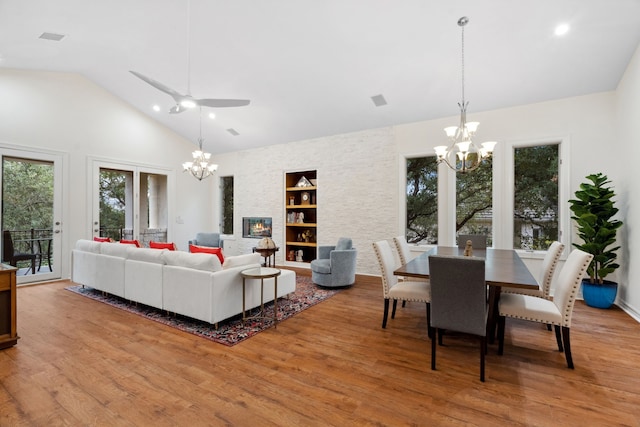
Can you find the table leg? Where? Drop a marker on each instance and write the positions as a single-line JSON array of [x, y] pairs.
[[275, 302], [494, 313], [243, 299]]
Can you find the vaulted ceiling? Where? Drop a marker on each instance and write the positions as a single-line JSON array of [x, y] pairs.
[[310, 67]]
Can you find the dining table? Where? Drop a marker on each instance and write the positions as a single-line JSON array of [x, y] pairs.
[[503, 267]]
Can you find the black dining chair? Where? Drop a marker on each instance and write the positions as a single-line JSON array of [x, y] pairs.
[[12, 257], [458, 300], [478, 241]]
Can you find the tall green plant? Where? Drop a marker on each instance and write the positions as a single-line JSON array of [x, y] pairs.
[[593, 209]]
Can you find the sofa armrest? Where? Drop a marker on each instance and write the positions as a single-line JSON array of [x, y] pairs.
[[343, 265]]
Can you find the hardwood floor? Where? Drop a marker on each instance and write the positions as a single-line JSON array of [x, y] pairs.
[[81, 362]]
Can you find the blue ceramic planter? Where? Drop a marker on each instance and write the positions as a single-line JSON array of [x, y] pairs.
[[599, 296]]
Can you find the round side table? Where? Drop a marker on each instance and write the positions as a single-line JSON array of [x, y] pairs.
[[260, 273]]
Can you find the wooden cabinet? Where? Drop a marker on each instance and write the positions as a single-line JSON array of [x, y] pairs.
[[8, 332], [301, 217]]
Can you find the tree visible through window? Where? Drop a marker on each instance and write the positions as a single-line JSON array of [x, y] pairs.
[[226, 186], [474, 204], [535, 214], [422, 200]]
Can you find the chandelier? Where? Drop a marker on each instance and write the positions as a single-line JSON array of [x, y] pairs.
[[463, 155], [200, 167]]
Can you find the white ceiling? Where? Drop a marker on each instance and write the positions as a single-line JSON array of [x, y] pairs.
[[309, 67]]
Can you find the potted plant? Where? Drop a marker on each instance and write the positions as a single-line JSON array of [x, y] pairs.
[[592, 210]]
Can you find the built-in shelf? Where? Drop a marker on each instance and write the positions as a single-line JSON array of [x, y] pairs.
[[301, 217]]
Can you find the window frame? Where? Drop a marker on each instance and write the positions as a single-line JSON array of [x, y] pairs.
[[502, 194]]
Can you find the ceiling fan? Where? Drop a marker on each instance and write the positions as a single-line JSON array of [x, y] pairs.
[[186, 101]]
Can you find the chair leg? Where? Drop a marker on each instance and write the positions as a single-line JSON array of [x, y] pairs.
[[483, 351], [548, 326], [386, 313], [567, 346], [429, 328], [440, 334], [501, 324], [404, 303], [558, 337], [433, 349], [393, 312]]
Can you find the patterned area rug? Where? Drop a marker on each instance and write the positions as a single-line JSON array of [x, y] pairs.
[[231, 331]]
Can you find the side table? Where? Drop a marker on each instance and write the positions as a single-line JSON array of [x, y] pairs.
[[260, 273]]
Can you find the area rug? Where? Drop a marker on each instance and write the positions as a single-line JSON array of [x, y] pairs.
[[231, 331]]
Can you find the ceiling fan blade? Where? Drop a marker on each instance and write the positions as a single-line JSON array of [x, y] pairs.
[[159, 86], [222, 103]]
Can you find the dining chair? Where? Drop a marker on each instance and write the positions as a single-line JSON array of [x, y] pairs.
[[404, 255], [392, 289], [545, 276], [556, 312], [478, 241], [458, 300], [12, 257]]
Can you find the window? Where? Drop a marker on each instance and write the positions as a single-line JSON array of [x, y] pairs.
[[422, 200], [474, 201], [518, 198], [226, 186], [535, 213]]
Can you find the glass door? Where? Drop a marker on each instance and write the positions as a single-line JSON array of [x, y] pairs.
[[31, 214], [131, 203]]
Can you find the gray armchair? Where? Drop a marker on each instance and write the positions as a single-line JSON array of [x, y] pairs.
[[207, 239], [335, 265]]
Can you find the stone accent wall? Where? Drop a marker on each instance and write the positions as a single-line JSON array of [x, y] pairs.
[[357, 189]]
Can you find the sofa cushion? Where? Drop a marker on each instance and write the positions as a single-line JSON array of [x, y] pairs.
[[102, 239], [194, 249], [114, 249], [130, 242], [201, 261], [88, 246], [162, 245], [344, 243], [238, 260], [146, 255]]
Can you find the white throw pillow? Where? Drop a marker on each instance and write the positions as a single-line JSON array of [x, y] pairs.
[[88, 246], [238, 260], [198, 261], [114, 249], [146, 254]]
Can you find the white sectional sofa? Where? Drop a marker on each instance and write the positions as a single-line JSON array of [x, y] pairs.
[[191, 284]]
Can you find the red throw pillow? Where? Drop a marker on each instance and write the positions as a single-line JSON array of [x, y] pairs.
[[131, 242], [101, 239], [207, 250], [160, 245]]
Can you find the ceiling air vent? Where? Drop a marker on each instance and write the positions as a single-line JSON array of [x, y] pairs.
[[52, 36], [233, 132], [378, 100]]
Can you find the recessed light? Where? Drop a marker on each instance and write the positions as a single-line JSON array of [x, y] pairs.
[[212, 116], [561, 29], [156, 108]]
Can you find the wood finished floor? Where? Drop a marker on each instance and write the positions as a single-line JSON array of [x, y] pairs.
[[83, 363]]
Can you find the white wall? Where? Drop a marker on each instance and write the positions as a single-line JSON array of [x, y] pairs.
[[66, 113], [626, 147]]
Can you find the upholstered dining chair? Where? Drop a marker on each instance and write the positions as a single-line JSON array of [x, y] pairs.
[[404, 256], [556, 312], [458, 300], [478, 241], [406, 290], [545, 276]]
